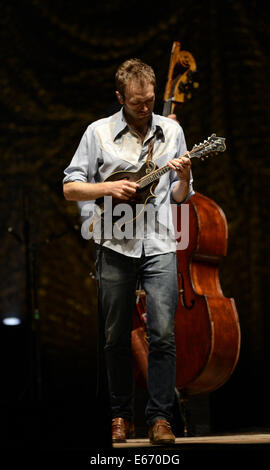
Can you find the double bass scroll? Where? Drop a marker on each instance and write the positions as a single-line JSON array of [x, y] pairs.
[[179, 84]]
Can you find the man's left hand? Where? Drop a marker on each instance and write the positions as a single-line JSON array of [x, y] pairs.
[[182, 167]]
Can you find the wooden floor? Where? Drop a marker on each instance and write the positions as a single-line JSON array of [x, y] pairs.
[[245, 438]]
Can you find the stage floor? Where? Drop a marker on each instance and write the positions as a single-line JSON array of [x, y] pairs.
[[245, 438]]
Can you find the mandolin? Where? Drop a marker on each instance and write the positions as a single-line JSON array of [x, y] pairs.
[[147, 177]]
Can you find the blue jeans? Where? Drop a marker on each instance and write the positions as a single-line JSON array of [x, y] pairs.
[[117, 279]]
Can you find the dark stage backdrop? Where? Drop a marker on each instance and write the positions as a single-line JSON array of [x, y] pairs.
[[58, 61]]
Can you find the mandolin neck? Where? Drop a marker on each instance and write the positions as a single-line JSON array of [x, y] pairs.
[[153, 176], [156, 174], [213, 145]]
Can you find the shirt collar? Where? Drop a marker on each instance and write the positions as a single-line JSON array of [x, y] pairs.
[[121, 125]]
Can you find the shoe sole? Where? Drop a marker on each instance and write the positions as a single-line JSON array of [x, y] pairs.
[[162, 442]]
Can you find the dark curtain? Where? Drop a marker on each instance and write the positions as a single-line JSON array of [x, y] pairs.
[[57, 70]]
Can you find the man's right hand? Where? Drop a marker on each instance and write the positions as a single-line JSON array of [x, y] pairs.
[[84, 191], [122, 189]]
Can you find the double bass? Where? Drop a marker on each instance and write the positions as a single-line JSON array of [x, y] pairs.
[[207, 331]]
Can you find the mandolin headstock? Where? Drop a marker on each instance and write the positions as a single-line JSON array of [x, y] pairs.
[[212, 146]]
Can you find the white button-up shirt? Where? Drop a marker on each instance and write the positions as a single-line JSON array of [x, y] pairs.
[[109, 145]]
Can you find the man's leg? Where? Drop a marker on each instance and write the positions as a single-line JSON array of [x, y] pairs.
[[116, 275], [159, 280]]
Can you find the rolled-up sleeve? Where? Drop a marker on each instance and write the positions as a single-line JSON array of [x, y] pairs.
[[181, 150], [83, 165]]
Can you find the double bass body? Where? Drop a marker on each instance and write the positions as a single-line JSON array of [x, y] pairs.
[[207, 331]]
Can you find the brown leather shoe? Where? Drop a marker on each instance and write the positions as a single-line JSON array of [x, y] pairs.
[[122, 430], [161, 433]]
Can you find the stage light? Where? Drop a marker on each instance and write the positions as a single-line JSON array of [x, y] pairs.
[[11, 321]]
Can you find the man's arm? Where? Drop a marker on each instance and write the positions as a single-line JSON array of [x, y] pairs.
[[182, 167], [80, 191]]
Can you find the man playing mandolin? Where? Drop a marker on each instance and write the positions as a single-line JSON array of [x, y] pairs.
[[122, 142]]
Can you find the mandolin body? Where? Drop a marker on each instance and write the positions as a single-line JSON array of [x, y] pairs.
[[143, 195]]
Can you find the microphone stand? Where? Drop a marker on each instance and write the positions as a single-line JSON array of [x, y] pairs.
[[32, 249]]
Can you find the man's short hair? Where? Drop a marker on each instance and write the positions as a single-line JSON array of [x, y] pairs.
[[133, 69]]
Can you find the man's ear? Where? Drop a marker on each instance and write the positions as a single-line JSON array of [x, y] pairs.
[[119, 97]]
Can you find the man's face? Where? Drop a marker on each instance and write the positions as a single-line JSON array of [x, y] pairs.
[[138, 101]]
